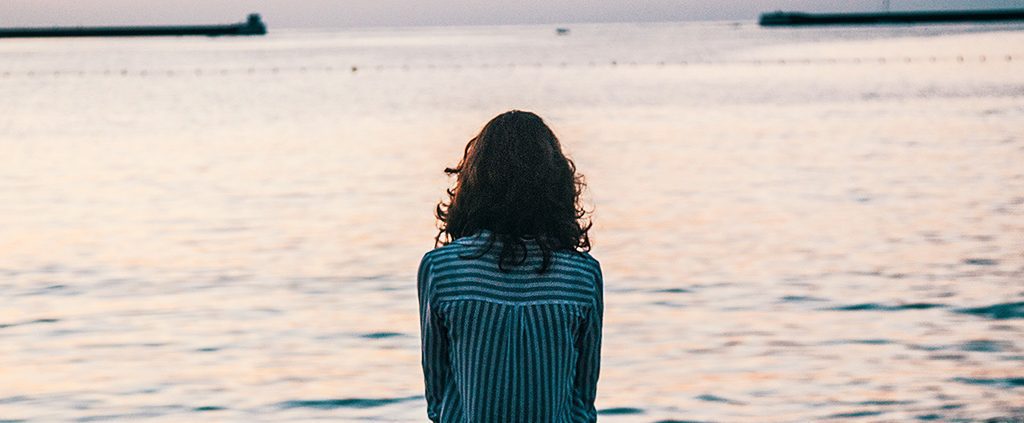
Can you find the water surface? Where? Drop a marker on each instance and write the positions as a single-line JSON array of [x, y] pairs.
[[797, 223]]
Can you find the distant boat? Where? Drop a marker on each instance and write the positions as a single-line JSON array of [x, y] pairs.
[[252, 26], [888, 18], [562, 31]]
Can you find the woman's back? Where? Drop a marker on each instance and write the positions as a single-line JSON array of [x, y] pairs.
[[511, 302], [509, 345]]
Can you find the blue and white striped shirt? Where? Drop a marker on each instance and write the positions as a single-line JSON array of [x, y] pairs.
[[513, 346]]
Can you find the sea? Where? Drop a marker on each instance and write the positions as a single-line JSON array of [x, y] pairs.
[[795, 224]]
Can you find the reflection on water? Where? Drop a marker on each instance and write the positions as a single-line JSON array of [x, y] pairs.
[[803, 240]]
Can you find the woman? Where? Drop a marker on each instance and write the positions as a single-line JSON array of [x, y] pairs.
[[511, 302]]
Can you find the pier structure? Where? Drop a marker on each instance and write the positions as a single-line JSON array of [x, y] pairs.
[[253, 25], [889, 18]]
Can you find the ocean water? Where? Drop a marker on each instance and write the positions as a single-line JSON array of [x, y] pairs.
[[794, 224]]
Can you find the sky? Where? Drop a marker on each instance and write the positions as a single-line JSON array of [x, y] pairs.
[[376, 13]]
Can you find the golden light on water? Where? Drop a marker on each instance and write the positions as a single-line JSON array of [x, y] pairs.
[[794, 240]]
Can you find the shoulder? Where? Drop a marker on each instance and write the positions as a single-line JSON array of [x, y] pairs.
[[585, 261], [448, 252], [454, 251], [591, 260], [578, 265]]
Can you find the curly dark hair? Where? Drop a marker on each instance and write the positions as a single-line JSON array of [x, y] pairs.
[[514, 181]]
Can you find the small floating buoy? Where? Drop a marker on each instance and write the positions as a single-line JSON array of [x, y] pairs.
[[982, 58], [354, 69], [959, 58], [614, 63], [1009, 58]]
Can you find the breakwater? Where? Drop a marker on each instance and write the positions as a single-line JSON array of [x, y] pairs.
[[886, 18], [252, 26]]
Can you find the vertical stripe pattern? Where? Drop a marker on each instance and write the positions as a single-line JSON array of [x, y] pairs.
[[513, 346]]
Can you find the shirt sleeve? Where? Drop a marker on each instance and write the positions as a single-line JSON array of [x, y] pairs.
[[434, 342], [588, 362]]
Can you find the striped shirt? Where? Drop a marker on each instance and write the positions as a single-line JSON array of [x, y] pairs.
[[513, 346]]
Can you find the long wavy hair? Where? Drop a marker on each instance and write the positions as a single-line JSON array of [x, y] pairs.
[[514, 181]]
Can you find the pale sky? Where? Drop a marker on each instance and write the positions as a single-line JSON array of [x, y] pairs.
[[363, 13]]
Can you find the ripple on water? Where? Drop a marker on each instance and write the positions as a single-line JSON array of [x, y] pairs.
[[884, 402], [619, 411], [800, 299], [328, 404], [854, 414], [884, 307], [14, 399], [381, 335], [981, 262], [859, 341], [1000, 382], [985, 345], [679, 421], [716, 398], [673, 291], [997, 311], [29, 322], [951, 357], [922, 347], [671, 304]]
